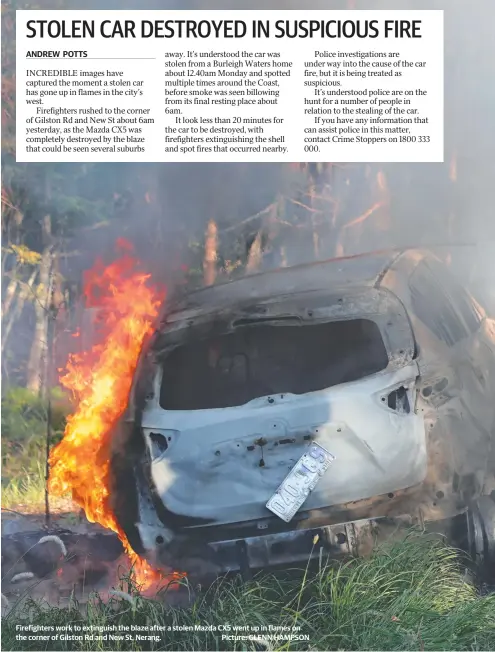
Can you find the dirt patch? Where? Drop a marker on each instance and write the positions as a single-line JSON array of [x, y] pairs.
[[70, 559]]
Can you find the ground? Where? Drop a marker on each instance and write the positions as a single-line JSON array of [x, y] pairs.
[[409, 595], [413, 594]]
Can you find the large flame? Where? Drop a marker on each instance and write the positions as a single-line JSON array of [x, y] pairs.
[[125, 306]]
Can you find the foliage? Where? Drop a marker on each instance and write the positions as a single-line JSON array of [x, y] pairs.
[[24, 255], [408, 596], [24, 427]]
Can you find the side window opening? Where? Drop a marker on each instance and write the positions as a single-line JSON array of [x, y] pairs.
[[442, 304]]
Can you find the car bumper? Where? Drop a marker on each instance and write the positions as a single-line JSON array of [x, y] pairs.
[[355, 538]]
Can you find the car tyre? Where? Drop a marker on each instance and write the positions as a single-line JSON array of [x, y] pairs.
[[480, 522]]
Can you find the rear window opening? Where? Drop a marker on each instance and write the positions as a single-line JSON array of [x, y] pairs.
[[255, 361]]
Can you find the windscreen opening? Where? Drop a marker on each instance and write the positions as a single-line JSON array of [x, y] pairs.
[[261, 360]]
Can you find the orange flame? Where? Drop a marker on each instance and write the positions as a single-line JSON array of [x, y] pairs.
[[100, 380]]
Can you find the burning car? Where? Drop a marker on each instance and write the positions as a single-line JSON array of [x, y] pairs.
[[327, 399]]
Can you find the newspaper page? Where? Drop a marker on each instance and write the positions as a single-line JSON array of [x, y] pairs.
[[248, 348]]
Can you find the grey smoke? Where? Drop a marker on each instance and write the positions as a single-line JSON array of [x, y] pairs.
[[426, 206]]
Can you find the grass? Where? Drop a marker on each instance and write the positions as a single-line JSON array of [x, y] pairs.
[[26, 490], [409, 595], [24, 428]]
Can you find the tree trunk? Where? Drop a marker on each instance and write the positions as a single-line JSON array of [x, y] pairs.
[[381, 195], [255, 255], [39, 346], [210, 260], [10, 294], [16, 311], [314, 228]]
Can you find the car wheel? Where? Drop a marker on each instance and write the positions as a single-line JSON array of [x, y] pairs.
[[480, 525]]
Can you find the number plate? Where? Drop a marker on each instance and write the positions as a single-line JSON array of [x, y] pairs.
[[300, 482]]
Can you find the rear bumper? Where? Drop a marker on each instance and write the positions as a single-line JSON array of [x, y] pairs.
[[269, 551], [283, 549], [297, 547]]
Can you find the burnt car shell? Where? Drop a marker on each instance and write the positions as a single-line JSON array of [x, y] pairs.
[[363, 375]]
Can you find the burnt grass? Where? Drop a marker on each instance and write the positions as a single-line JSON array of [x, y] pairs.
[[409, 595]]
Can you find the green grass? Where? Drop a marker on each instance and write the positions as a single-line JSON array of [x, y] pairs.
[[26, 491], [408, 596], [24, 430]]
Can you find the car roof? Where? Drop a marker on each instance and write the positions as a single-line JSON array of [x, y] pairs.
[[364, 270]]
